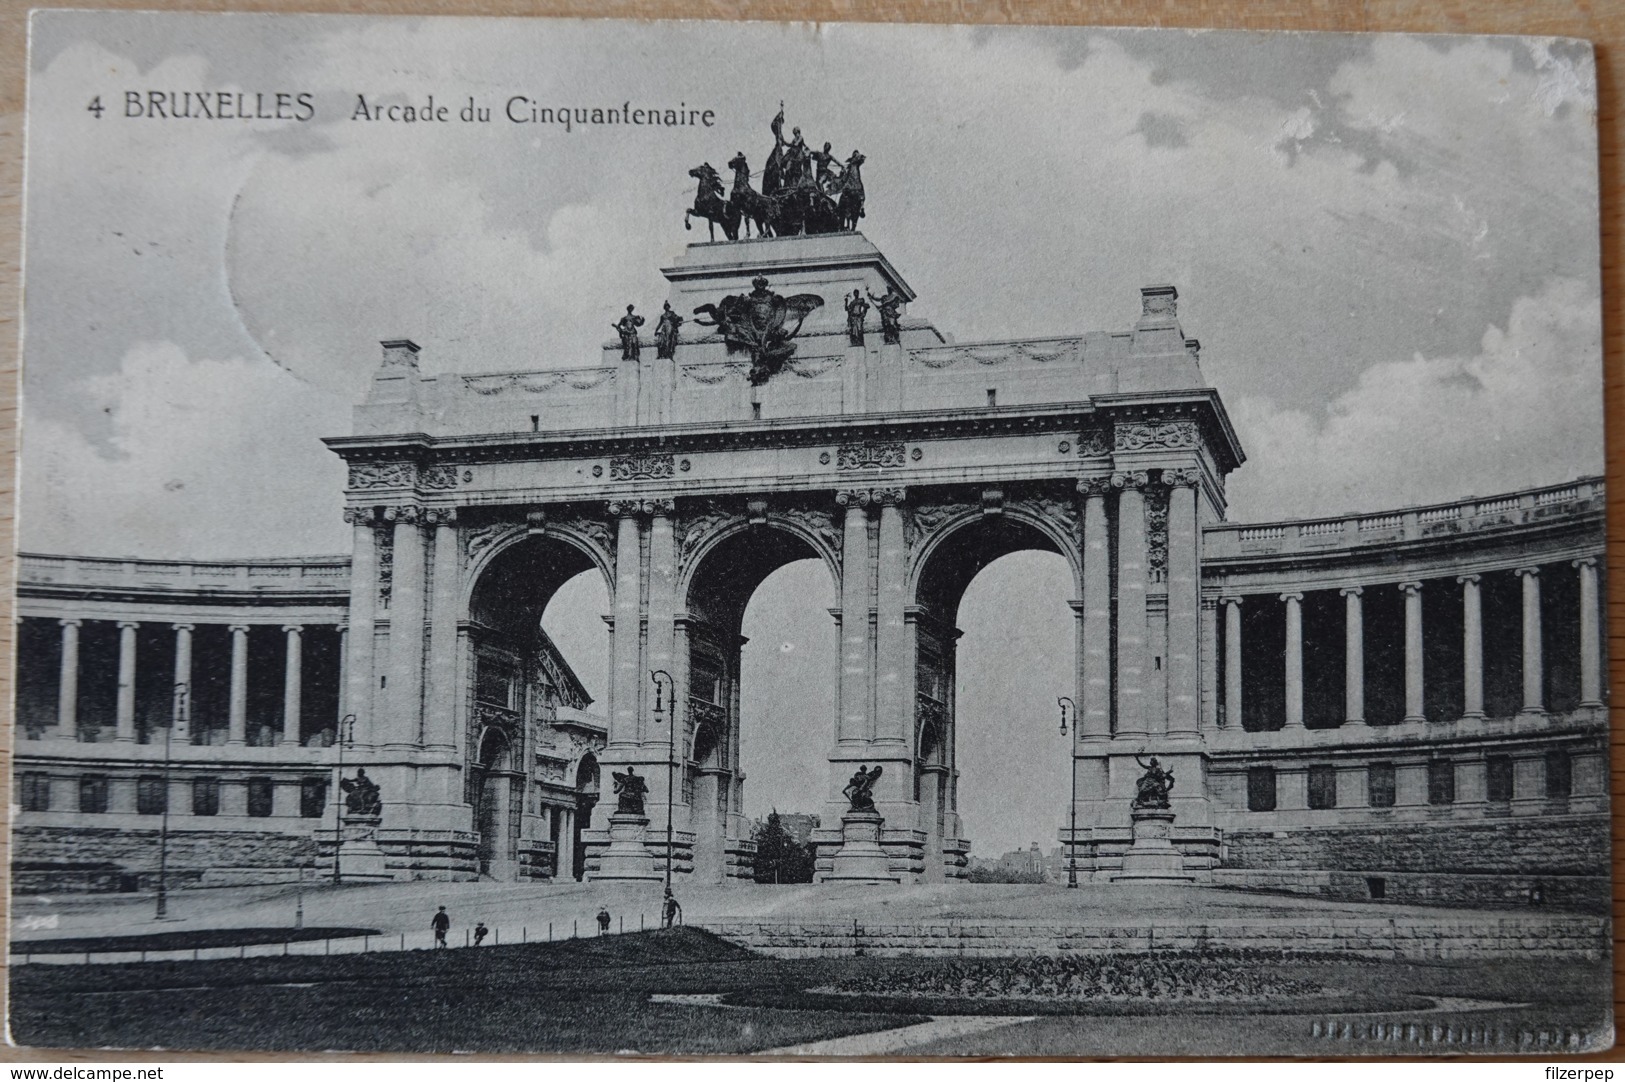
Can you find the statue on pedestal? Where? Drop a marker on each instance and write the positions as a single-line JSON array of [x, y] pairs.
[[859, 792], [891, 315], [627, 327], [1151, 791], [666, 333], [361, 795], [857, 309], [629, 792]]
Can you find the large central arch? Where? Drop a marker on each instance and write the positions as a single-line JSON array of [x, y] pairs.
[[724, 573]]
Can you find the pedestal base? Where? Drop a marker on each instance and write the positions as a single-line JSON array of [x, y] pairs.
[[860, 859], [628, 855], [1152, 857], [360, 859]]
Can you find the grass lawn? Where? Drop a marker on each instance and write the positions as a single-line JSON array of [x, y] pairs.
[[593, 996], [183, 940]]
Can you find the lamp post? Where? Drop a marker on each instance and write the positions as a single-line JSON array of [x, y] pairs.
[[177, 716], [346, 726], [656, 675], [1072, 768]]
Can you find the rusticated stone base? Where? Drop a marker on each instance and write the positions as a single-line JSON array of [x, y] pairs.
[[104, 860]]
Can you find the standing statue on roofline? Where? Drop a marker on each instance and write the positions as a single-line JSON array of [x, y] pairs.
[[627, 327]]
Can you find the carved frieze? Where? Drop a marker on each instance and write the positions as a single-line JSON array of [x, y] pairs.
[[716, 373], [595, 530], [1141, 435], [925, 521], [438, 477], [480, 538], [1095, 442], [819, 523], [699, 523], [1156, 534], [579, 379], [644, 466], [386, 567], [1050, 508], [871, 455], [381, 475], [812, 367]]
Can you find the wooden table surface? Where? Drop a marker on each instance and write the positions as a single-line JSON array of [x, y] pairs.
[[1601, 21]]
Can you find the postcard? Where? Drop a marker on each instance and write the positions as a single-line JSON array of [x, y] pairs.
[[846, 540]]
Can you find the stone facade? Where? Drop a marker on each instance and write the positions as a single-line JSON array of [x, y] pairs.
[[217, 690], [1425, 675]]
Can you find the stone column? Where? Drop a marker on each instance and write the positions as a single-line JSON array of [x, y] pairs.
[[440, 697], [1294, 660], [67, 682], [1534, 698], [344, 670], [1354, 655], [1210, 664], [1232, 661], [854, 723], [292, 682], [1413, 651], [237, 709], [1472, 648], [1590, 634], [662, 629], [626, 721], [358, 669], [894, 684], [403, 724], [125, 717], [183, 675], [1095, 653], [1184, 604], [1131, 622]]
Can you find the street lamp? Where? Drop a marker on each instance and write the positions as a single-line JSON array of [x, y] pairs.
[[1072, 767], [655, 675], [177, 716], [338, 791]]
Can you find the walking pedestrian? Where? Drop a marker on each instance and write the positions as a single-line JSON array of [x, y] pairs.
[[603, 920], [670, 912], [441, 925], [480, 932]]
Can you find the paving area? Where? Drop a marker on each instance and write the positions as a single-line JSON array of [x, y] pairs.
[[407, 907]]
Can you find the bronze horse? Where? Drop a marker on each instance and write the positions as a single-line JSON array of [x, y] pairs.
[[851, 190], [752, 206], [712, 204]]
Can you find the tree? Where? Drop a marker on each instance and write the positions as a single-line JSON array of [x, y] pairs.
[[779, 857]]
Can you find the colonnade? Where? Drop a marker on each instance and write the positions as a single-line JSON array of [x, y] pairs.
[[1533, 664], [69, 676]]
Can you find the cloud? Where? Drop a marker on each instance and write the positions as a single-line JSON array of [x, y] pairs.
[[1525, 409], [205, 459]]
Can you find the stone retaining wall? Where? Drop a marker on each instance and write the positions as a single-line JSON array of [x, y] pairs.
[[1410, 937]]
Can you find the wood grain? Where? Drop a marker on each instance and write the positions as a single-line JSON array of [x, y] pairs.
[[1602, 22]]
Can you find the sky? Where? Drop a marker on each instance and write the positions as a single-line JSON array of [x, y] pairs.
[[1387, 245]]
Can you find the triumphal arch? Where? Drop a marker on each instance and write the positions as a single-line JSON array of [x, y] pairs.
[[780, 404]]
